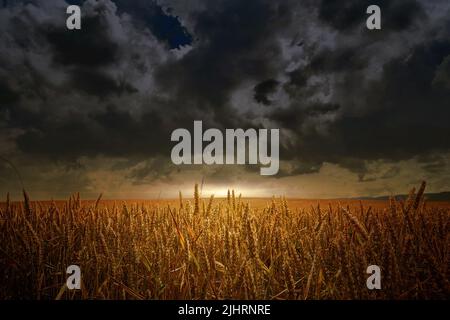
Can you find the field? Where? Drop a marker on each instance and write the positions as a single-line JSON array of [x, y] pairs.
[[232, 248]]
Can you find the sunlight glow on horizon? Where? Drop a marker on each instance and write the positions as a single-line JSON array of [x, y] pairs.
[[245, 191]]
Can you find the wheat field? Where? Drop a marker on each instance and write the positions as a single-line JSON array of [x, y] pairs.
[[223, 249]]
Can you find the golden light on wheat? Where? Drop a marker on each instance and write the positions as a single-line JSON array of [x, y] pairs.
[[207, 248]]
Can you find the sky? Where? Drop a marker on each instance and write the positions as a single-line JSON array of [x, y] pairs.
[[361, 112]]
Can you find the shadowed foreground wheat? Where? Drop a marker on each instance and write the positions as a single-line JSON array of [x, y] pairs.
[[220, 249]]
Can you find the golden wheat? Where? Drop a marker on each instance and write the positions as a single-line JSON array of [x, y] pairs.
[[222, 250]]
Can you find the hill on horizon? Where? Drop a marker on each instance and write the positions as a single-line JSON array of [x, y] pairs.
[[438, 196]]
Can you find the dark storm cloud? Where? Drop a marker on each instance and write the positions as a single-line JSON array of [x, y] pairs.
[[159, 167], [228, 52], [343, 59], [90, 47], [98, 83], [163, 25], [7, 94], [112, 132], [62, 117], [433, 163], [149, 14], [119, 86], [442, 78], [86, 53], [263, 89], [405, 114]]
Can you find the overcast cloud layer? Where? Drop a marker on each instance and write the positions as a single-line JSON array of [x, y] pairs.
[[92, 110]]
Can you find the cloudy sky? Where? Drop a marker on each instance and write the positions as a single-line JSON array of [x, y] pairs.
[[360, 112]]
